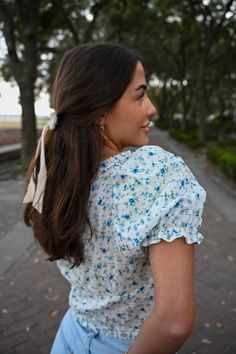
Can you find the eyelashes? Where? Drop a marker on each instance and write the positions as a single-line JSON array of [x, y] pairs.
[[141, 96]]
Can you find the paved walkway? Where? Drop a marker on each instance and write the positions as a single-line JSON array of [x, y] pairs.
[[34, 297]]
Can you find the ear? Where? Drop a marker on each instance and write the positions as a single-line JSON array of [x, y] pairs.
[[102, 119]]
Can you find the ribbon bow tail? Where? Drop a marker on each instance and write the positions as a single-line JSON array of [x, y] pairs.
[[35, 193], [29, 197], [40, 189]]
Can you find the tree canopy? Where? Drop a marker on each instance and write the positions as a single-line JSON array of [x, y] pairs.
[[188, 48]]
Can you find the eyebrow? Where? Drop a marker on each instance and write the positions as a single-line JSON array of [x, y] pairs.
[[140, 87]]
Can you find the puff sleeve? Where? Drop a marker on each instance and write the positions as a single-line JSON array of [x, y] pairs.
[[161, 200]]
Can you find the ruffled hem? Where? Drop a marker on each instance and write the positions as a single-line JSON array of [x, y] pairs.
[[189, 238]]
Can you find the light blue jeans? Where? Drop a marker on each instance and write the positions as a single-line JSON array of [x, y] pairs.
[[71, 338]]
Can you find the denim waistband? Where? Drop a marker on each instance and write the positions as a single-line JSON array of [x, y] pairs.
[[72, 338]]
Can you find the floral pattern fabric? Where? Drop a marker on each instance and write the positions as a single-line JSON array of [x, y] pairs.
[[137, 198]]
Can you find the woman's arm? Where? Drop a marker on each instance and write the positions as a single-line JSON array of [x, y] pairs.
[[171, 321]]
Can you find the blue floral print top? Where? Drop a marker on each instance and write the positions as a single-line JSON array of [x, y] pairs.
[[137, 198]]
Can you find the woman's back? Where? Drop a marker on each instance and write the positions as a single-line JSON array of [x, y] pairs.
[[134, 199]]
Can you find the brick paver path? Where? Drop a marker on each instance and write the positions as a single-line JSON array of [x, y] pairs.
[[33, 300], [34, 296]]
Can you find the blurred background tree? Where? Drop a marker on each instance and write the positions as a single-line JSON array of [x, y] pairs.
[[36, 33], [188, 48]]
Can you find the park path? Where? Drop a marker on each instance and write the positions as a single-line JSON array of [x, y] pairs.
[[215, 285], [34, 297]]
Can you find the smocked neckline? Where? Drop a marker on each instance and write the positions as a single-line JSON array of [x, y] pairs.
[[105, 164]]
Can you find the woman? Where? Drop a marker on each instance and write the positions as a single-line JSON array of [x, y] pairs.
[[122, 225]]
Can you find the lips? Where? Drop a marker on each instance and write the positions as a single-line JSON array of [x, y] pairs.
[[145, 126]]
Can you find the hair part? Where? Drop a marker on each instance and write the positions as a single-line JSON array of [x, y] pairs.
[[90, 80]]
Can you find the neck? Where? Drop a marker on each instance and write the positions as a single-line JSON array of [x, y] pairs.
[[109, 151]]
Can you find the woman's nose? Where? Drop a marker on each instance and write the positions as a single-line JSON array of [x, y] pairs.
[[151, 111]]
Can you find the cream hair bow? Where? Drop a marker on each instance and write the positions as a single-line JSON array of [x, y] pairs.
[[35, 193]]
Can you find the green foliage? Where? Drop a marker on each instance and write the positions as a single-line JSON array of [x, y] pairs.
[[225, 158], [227, 143], [187, 137], [188, 49], [220, 129], [162, 124]]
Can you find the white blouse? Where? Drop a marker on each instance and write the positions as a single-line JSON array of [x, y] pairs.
[[137, 199]]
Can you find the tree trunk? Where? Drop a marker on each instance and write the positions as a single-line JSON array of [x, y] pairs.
[[163, 105], [221, 104], [29, 129], [184, 107], [202, 104], [21, 38]]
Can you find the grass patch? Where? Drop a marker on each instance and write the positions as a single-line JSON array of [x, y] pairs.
[[4, 124], [16, 124]]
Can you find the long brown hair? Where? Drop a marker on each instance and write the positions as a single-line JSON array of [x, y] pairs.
[[89, 81]]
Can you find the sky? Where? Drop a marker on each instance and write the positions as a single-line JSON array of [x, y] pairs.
[[9, 98]]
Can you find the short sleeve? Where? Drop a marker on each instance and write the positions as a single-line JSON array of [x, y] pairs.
[[164, 201], [182, 201]]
